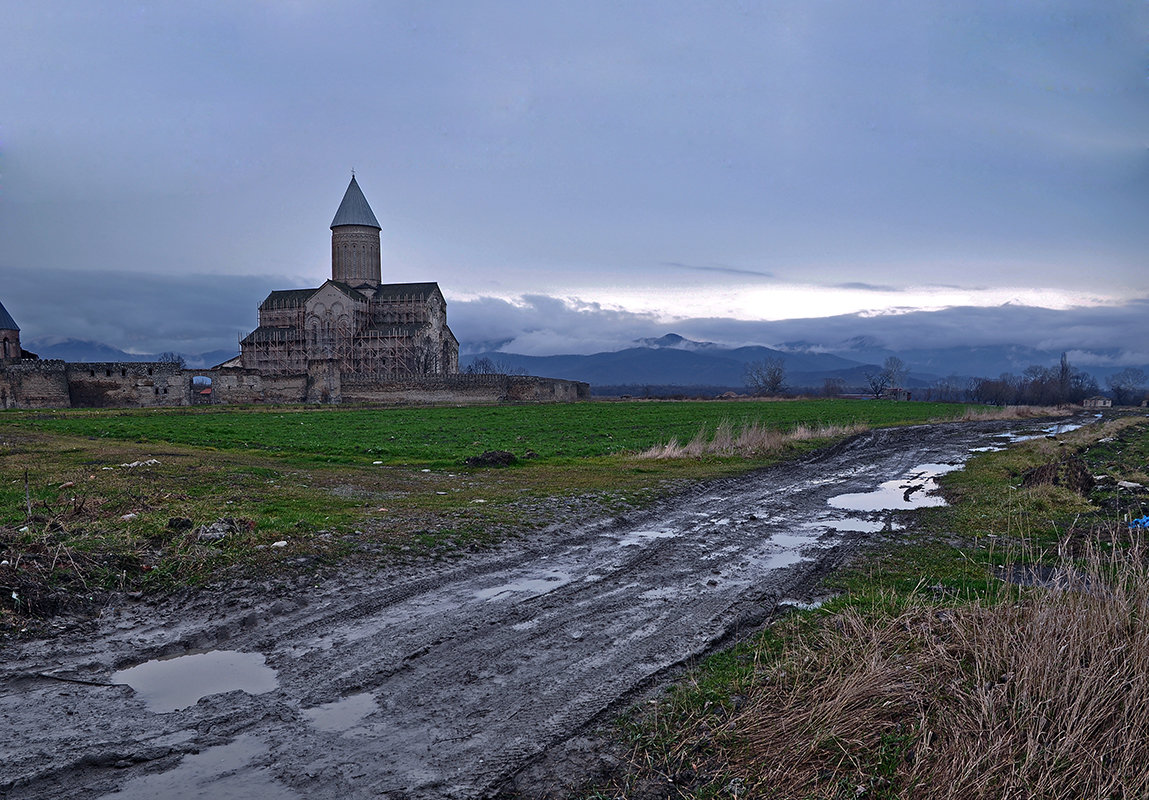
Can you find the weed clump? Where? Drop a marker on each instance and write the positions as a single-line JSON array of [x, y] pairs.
[[753, 440]]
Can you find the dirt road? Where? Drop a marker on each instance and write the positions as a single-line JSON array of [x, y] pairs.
[[441, 681]]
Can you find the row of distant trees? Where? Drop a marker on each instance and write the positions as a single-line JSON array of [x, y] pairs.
[[1036, 385], [768, 378]]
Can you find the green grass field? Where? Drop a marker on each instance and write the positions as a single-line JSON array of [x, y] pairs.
[[445, 436], [338, 484]]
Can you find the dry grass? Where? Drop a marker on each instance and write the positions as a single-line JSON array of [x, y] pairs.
[[756, 440], [753, 440], [974, 413], [1045, 696]]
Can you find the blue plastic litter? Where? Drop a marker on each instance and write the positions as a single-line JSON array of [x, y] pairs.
[[1139, 523]]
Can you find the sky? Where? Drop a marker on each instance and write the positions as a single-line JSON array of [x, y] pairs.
[[578, 175]]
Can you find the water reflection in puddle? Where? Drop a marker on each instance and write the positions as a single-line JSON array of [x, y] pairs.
[[913, 491], [1052, 430], [342, 715], [850, 525], [217, 773], [168, 684]]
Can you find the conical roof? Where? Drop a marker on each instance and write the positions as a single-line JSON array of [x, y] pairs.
[[6, 321], [354, 209]]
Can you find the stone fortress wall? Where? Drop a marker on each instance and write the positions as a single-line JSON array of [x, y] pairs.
[[147, 384]]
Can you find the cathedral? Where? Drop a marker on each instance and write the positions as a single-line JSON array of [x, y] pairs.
[[365, 329]]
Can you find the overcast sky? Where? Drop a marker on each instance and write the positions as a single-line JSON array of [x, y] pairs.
[[575, 175]]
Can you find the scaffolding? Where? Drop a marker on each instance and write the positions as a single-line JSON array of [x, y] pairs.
[[395, 337]]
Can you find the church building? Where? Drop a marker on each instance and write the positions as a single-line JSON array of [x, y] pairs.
[[10, 336], [365, 329]]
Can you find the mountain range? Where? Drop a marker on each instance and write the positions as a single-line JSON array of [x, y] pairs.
[[674, 361], [664, 364]]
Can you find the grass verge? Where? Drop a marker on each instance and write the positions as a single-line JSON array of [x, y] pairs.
[[998, 649]]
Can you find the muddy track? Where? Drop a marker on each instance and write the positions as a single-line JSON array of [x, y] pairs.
[[441, 681]]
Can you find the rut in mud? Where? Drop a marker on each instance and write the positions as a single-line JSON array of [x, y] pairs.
[[443, 681]]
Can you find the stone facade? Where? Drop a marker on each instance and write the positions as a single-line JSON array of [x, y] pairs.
[[33, 383]]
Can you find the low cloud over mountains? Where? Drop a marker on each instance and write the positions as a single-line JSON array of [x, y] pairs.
[[192, 314]]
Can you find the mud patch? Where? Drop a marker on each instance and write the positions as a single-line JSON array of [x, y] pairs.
[[169, 684], [225, 772], [342, 715]]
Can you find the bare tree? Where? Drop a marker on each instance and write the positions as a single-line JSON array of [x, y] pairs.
[[489, 366], [766, 377], [895, 370], [1125, 384], [832, 387], [171, 358], [878, 381]]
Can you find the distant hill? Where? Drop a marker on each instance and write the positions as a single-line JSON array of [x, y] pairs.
[[81, 350], [675, 366]]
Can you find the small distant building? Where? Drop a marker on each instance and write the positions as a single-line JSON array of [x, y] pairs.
[[1097, 401]]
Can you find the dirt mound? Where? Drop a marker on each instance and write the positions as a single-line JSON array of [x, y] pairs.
[[492, 458], [1071, 472]]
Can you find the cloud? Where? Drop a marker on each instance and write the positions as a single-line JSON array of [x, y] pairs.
[[540, 325], [721, 269], [867, 287], [136, 312], [543, 325]]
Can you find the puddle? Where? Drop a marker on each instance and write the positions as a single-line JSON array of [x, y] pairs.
[[217, 773], [916, 490], [169, 684], [635, 538], [803, 605], [342, 715], [533, 586], [786, 558], [1051, 430], [986, 449], [856, 525]]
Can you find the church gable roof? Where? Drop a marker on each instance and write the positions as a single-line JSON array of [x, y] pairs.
[[395, 291], [354, 209], [6, 321], [350, 291], [287, 298]]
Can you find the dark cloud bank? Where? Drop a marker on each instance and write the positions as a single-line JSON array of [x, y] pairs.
[[196, 314]]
